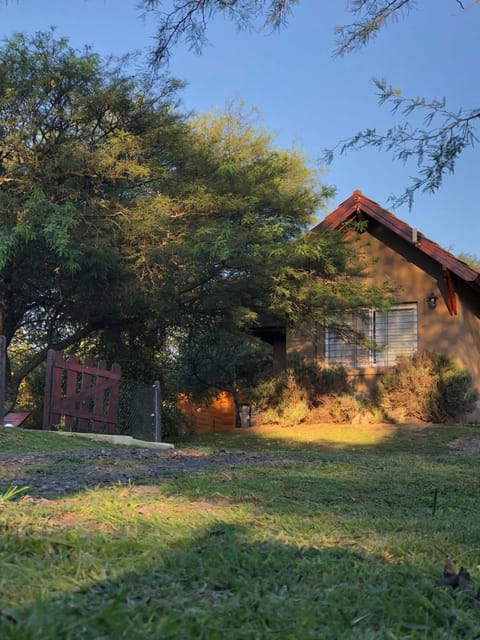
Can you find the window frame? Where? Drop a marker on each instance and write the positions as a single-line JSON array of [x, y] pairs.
[[356, 356]]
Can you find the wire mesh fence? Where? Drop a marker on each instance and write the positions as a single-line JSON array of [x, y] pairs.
[[139, 410]]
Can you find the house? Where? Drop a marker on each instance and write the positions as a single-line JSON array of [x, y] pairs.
[[437, 306]]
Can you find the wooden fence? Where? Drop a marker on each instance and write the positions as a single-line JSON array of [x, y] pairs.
[[217, 415], [80, 397]]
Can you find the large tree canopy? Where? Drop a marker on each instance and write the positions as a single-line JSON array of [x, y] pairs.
[[73, 136], [118, 215], [228, 241]]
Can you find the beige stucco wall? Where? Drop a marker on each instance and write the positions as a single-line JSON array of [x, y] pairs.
[[416, 276]]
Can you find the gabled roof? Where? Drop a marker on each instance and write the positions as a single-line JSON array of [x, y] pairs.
[[359, 207]]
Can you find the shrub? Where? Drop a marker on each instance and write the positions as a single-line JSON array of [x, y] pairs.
[[272, 393], [319, 380], [277, 396], [295, 413], [427, 386], [455, 396], [343, 408], [348, 408], [290, 396]]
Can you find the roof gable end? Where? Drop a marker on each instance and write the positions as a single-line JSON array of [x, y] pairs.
[[359, 207]]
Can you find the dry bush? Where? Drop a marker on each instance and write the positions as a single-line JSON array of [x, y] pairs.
[[318, 380], [280, 400], [307, 381], [427, 386], [343, 408], [347, 408]]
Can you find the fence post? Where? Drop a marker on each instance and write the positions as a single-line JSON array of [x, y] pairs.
[[157, 402], [3, 376], [47, 397]]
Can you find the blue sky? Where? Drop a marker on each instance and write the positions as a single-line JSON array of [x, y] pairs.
[[307, 97]]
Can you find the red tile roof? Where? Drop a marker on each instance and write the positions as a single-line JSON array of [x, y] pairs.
[[358, 204]]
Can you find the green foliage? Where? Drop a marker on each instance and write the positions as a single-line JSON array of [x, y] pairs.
[[444, 133], [228, 247], [427, 386], [436, 145], [290, 396], [217, 358], [280, 398], [123, 225], [73, 148], [349, 408], [344, 408], [473, 261], [214, 359], [223, 243], [12, 493], [188, 21], [320, 379], [371, 16]]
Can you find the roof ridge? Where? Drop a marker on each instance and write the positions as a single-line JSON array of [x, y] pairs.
[[359, 202]]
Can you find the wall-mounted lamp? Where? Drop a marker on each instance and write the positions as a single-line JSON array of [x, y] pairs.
[[432, 301]]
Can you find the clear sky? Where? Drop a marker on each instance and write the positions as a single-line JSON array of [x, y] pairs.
[[307, 97]]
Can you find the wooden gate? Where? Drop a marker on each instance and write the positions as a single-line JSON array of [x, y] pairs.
[[80, 397]]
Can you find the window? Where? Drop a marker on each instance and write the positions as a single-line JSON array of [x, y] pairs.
[[394, 333]]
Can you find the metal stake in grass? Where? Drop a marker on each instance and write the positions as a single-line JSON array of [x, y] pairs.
[[434, 506]]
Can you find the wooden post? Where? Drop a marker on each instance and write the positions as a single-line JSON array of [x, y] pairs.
[[157, 400], [114, 399], [70, 390], [47, 396]]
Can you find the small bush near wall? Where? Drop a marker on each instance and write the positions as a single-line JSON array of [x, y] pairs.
[[291, 396], [427, 386], [319, 380], [353, 409]]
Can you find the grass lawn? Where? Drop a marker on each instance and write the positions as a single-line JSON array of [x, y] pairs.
[[344, 537], [24, 441]]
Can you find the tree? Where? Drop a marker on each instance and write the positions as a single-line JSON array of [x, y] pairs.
[[72, 154], [235, 249], [188, 19], [124, 222], [236, 245], [445, 134], [472, 260], [436, 145]]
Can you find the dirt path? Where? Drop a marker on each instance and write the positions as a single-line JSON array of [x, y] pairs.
[[52, 475]]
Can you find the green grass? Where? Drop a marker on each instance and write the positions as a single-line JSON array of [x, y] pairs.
[[314, 438], [340, 542], [24, 441]]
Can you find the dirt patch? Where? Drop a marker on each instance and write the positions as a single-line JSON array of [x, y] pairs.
[[465, 445], [59, 474]]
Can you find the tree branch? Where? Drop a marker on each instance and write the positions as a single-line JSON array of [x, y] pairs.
[[375, 14], [435, 149]]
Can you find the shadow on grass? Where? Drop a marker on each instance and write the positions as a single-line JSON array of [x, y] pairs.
[[221, 583]]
